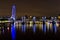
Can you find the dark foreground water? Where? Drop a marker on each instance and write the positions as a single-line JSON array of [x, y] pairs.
[[29, 35]]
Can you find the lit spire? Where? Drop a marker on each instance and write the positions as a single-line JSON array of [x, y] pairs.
[[13, 12]]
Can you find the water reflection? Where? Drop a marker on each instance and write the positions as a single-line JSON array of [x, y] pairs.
[[34, 28], [54, 27], [23, 28], [44, 27], [13, 31]]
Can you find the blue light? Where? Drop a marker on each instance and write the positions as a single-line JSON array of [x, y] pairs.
[[3, 31], [54, 27], [13, 32], [34, 28], [44, 25], [44, 28], [43, 18], [23, 18], [34, 19], [24, 28], [52, 18], [13, 12]]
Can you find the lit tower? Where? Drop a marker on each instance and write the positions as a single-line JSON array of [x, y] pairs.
[[13, 12]]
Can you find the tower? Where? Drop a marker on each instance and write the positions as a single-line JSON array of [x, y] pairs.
[[13, 16]]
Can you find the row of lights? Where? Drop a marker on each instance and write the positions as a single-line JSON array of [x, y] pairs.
[[23, 27], [37, 23]]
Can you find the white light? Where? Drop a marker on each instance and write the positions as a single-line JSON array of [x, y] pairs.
[[7, 28]]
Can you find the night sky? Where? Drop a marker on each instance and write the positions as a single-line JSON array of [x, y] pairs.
[[30, 7]]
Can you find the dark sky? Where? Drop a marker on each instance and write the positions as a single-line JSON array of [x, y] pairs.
[[30, 7]]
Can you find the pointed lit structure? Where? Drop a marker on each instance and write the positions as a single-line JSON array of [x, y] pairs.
[[13, 16]]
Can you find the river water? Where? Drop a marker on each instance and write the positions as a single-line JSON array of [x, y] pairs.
[[33, 33]]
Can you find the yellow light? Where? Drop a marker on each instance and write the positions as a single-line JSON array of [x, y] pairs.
[[27, 25], [16, 24], [37, 22], [20, 24], [30, 16], [47, 24], [0, 21], [40, 25], [57, 24], [4, 21], [51, 26], [58, 17], [31, 23]]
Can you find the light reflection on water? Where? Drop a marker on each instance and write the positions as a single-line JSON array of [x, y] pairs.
[[55, 28], [34, 28], [23, 28], [13, 32], [44, 28]]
